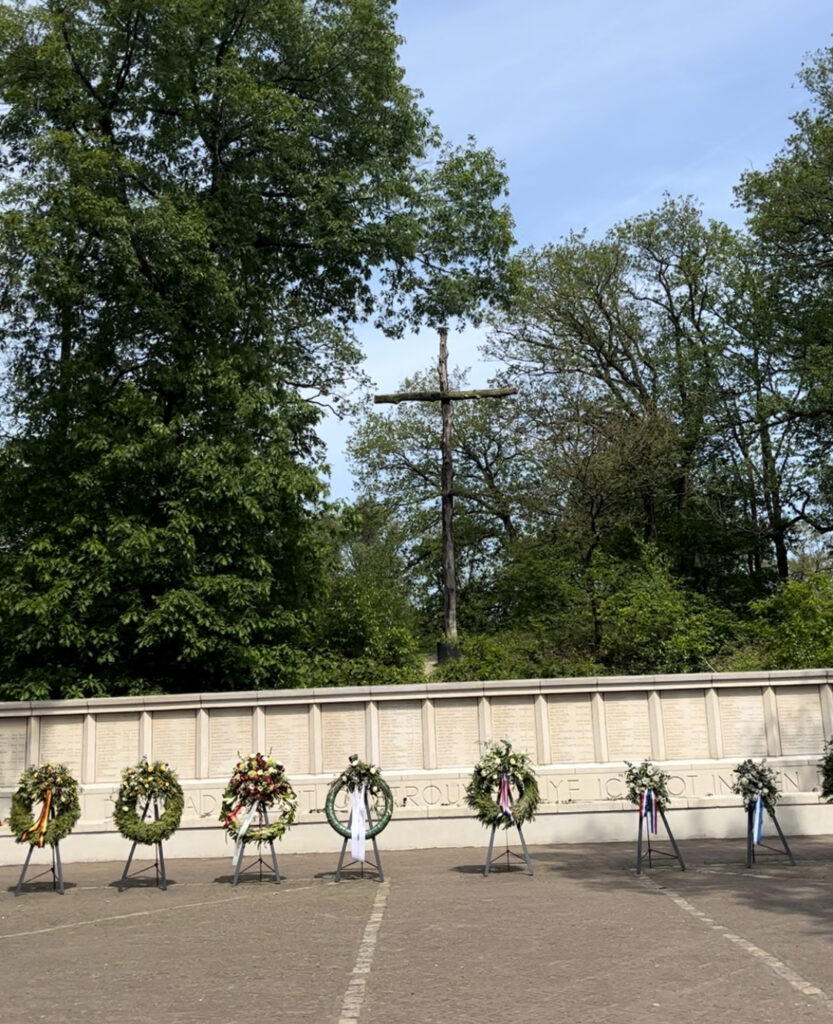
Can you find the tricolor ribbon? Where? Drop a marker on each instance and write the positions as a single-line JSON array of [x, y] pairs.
[[758, 821], [648, 809], [358, 825], [504, 797], [244, 828]]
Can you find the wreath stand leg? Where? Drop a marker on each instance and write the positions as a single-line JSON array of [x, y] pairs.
[[507, 854], [159, 862], [56, 870], [258, 862], [650, 850], [750, 839], [377, 864]]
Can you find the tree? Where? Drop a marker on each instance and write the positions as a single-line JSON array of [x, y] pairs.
[[195, 197]]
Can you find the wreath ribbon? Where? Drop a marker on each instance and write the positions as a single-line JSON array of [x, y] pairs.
[[504, 797], [244, 828], [40, 825], [758, 821], [649, 809], [358, 824]]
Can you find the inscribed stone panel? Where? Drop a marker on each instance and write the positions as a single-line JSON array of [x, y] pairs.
[[343, 734], [799, 719], [458, 735], [230, 737], [116, 745], [12, 750], [287, 738], [400, 735], [571, 728], [513, 719], [684, 724], [175, 741], [61, 738], [628, 729], [742, 723]]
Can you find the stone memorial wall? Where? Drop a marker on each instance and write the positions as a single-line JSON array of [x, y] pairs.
[[579, 732]]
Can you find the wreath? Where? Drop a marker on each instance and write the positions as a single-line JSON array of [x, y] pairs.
[[355, 775], [642, 777], [258, 781], [52, 785], [756, 780], [152, 783], [499, 763], [825, 767]]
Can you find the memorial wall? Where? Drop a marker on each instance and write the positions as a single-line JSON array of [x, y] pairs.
[[579, 732]]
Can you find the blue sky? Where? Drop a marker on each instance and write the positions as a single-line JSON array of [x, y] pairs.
[[597, 109]]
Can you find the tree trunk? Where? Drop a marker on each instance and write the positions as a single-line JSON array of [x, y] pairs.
[[449, 571]]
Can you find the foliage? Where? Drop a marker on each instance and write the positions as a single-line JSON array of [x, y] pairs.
[[195, 204], [54, 787], [153, 783], [642, 777], [500, 761], [651, 623], [794, 627], [754, 779]]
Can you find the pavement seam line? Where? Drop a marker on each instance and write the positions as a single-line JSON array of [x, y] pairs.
[[778, 967], [134, 913], [353, 1001]]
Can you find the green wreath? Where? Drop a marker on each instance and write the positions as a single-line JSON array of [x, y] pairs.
[[355, 775], [53, 785], [499, 760], [152, 783], [258, 781]]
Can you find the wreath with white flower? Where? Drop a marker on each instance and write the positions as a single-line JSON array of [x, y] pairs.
[[154, 783], [259, 781], [57, 791], [501, 760], [756, 780], [355, 775], [639, 778], [825, 767]]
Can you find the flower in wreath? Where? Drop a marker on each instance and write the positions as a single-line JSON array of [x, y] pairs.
[[755, 779], [359, 773], [56, 790], [156, 787], [639, 778], [503, 789], [258, 783]]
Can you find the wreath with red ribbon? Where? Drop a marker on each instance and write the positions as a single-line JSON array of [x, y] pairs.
[[258, 781]]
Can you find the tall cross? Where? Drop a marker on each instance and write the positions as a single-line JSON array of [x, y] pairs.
[[445, 397]]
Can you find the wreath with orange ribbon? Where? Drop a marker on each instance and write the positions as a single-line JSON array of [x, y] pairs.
[[56, 790]]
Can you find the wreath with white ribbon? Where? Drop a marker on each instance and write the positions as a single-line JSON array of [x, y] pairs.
[[258, 782], [360, 778], [154, 783], [498, 772], [54, 787]]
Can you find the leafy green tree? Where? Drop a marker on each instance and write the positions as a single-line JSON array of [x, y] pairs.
[[794, 627], [194, 200]]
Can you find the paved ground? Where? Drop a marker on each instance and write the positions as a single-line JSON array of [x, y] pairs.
[[584, 940]]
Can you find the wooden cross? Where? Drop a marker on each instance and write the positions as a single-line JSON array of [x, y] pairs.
[[445, 397]]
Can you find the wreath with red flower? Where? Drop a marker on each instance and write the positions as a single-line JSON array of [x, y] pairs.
[[258, 781]]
